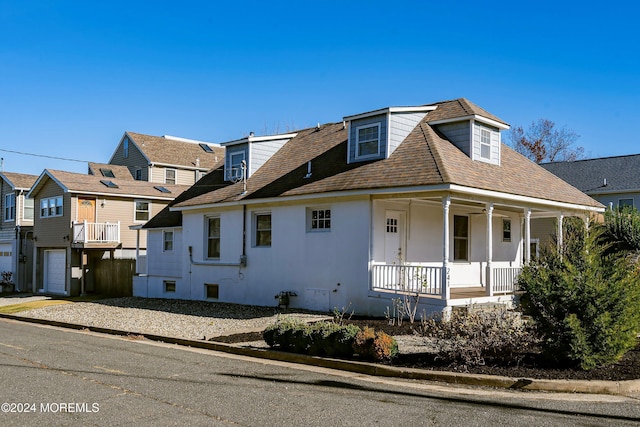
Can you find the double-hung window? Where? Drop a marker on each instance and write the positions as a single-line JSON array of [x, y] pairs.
[[10, 207], [213, 237], [27, 210], [262, 226], [142, 210], [167, 241], [485, 143], [460, 238], [506, 230], [170, 176], [368, 140]]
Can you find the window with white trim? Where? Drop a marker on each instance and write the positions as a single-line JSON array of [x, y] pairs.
[[262, 228], [170, 176], [368, 140], [167, 241], [235, 166], [10, 207], [460, 238], [318, 219], [142, 210], [485, 144], [213, 237], [506, 230], [27, 210], [51, 207]]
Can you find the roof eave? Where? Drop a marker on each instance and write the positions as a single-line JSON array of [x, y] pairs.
[[476, 117]]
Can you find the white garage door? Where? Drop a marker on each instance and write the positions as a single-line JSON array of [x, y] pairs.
[[5, 257], [54, 268]]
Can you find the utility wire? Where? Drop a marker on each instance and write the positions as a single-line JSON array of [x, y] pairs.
[[44, 155]]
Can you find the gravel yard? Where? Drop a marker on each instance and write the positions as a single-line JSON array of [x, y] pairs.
[[172, 318]]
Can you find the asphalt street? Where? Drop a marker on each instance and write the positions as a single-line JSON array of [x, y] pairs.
[[52, 376]]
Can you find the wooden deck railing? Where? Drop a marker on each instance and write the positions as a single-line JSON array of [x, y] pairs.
[[503, 279], [96, 232]]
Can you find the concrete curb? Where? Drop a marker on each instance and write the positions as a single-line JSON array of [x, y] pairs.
[[622, 388]]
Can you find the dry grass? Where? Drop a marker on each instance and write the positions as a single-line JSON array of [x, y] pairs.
[[16, 308]]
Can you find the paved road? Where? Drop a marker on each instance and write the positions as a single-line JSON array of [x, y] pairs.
[[79, 378]]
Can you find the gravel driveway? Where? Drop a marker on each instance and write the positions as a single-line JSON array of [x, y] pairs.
[[172, 318]]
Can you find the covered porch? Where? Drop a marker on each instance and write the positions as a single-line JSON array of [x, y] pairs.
[[456, 248]]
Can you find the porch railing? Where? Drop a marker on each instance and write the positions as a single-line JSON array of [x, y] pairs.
[[407, 278], [503, 279], [96, 232]]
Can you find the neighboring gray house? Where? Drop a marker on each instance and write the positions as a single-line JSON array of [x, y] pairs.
[[613, 181]]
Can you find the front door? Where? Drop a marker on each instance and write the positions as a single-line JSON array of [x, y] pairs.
[[86, 210], [394, 237]]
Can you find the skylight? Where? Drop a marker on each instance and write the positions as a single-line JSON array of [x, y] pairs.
[[108, 183], [162, 189], [206, 147], [107, 172]]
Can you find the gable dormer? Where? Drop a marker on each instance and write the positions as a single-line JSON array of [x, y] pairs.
[[375, 135], [470, 128], [253, 150]]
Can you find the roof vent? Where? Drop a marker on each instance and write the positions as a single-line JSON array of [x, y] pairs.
[[308, 175], [251, 134], [604, 184]]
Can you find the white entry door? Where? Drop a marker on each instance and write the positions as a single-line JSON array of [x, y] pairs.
[[394, 237], [54, 271]]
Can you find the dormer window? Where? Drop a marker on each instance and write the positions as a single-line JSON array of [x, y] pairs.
[[368, 141], [235, 171], [485, 144]]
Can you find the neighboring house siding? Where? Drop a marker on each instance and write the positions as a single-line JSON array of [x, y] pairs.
[[135, 160], [123, 210], [183, 176], [494, 143], [401, 126], [51, 231], [614, 198], [262, 151], [458, 133], [382, 120]]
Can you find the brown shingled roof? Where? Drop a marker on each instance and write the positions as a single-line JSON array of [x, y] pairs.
[[91, 184], [425, 158], [120, 172], [460, 107], [168, 151], [19, 180]]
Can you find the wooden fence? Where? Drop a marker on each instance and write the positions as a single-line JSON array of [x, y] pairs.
[[114, 277]]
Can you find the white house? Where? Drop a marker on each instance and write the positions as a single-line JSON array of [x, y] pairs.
[[421, 199]]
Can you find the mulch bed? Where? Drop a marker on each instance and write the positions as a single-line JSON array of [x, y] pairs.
[[532, 365]]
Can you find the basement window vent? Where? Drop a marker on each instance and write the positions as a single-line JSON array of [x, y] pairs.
[[206, 148], [162, 189], [109, 184], [211, 290]]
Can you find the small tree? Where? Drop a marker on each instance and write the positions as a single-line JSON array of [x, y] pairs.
[[585, 303], [620, 231], [543, 142]]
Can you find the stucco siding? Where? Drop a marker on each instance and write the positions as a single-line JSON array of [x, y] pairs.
[[161, 262]]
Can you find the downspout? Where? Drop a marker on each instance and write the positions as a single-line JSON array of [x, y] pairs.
[[243, 257], [17, 259]]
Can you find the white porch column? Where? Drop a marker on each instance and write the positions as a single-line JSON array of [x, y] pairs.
[[446, 291], [137, 250], [527, 235], [559, 233], [489, 282]]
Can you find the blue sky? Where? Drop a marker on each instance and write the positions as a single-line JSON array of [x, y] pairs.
[[75, 75]]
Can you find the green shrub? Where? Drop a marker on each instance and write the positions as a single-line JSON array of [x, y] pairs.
[[318, 339], [585, 303], [480, 336], [375, 345], [620, 231]]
